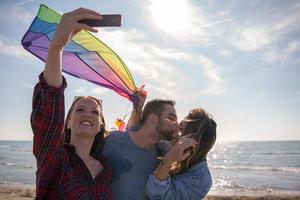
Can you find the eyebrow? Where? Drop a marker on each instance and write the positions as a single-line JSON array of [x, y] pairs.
[[174, 115], [81, 106]]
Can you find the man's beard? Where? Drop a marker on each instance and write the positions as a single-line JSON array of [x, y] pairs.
[[164, 134]]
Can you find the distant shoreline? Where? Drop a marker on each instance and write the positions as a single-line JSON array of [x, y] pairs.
[[17, 191]]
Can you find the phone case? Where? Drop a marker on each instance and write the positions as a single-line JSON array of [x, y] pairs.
[[108, 20]]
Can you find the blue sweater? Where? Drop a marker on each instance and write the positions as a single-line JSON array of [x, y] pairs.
[[131, 166], [132, 169]]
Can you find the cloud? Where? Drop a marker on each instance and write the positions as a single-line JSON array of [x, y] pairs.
[[14, 50], [285, 54], [216, 83], [156, 66], [292, 47], [80, 90], [225, 53], [165, 71], [252, 38], [268, 33], [99, 91], [17, 14], [24, 2], [28, 85], [95, 91]]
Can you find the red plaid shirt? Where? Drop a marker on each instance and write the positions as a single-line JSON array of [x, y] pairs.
[[61, 174]]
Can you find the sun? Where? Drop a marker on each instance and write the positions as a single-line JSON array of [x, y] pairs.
[[171, 16]]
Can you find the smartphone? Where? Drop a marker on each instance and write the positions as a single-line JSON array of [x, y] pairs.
[[108, 20]]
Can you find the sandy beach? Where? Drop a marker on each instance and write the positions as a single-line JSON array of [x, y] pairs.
[[21, 192], [16, 192]]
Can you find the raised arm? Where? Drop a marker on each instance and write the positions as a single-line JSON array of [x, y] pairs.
[[47, 117], [136, 114], [67, 28]]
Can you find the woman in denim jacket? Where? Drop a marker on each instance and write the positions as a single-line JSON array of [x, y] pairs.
[[183, 172]]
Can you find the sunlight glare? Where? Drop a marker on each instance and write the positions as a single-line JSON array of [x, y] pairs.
[[172, 16]]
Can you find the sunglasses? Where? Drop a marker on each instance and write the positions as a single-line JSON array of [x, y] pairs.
[[99, 101]]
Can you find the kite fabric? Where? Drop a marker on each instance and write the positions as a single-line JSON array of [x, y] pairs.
[[85, 57], [120, 124]]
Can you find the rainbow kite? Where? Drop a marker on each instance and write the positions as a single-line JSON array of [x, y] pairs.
[[85, 57]]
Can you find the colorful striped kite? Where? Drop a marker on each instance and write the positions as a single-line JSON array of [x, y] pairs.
[[85, 57]]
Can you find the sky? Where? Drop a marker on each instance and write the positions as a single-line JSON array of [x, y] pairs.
[[239, 60]]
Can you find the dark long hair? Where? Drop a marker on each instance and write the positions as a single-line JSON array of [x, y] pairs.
[[203, 129], [98, 140]]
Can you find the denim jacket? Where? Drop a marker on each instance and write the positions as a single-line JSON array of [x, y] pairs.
[[192, 184]]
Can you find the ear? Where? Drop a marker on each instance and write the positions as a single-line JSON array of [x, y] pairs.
[[153, 119], [68, 123]]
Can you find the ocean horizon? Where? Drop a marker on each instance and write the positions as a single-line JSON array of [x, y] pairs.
[[240, 166]]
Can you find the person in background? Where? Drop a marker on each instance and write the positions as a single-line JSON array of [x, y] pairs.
[[68, 152]]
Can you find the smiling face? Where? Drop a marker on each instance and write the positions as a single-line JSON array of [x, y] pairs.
[[85, 117]]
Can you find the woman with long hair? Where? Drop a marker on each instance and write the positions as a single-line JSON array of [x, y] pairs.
[[184, 165], [68, 151]]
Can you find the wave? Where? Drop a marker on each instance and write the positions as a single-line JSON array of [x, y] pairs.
[[277, 153], [259, 168], [15, 165], [3, 146], [10, 164], [256, 153]]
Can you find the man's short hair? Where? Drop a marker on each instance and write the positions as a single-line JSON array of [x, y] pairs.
[[155, 106]]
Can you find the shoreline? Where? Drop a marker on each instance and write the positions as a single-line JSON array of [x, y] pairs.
[[17, 191]]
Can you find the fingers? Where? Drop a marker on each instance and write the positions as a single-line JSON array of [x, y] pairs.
[[81, 16], [188, 142], [187, 145], [181, 149], [141, 92], [80, 26], [71, 19], [186, 155], [84, 10], [186, 136]]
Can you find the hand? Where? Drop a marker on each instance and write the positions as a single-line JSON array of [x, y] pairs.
[[69, 26], [179, 151], [142, 95]]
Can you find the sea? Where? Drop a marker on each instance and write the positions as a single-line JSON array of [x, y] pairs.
[[242, 167]]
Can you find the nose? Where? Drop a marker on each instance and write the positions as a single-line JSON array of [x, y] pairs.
[[87, 114], [181, 125], [176, 127]]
